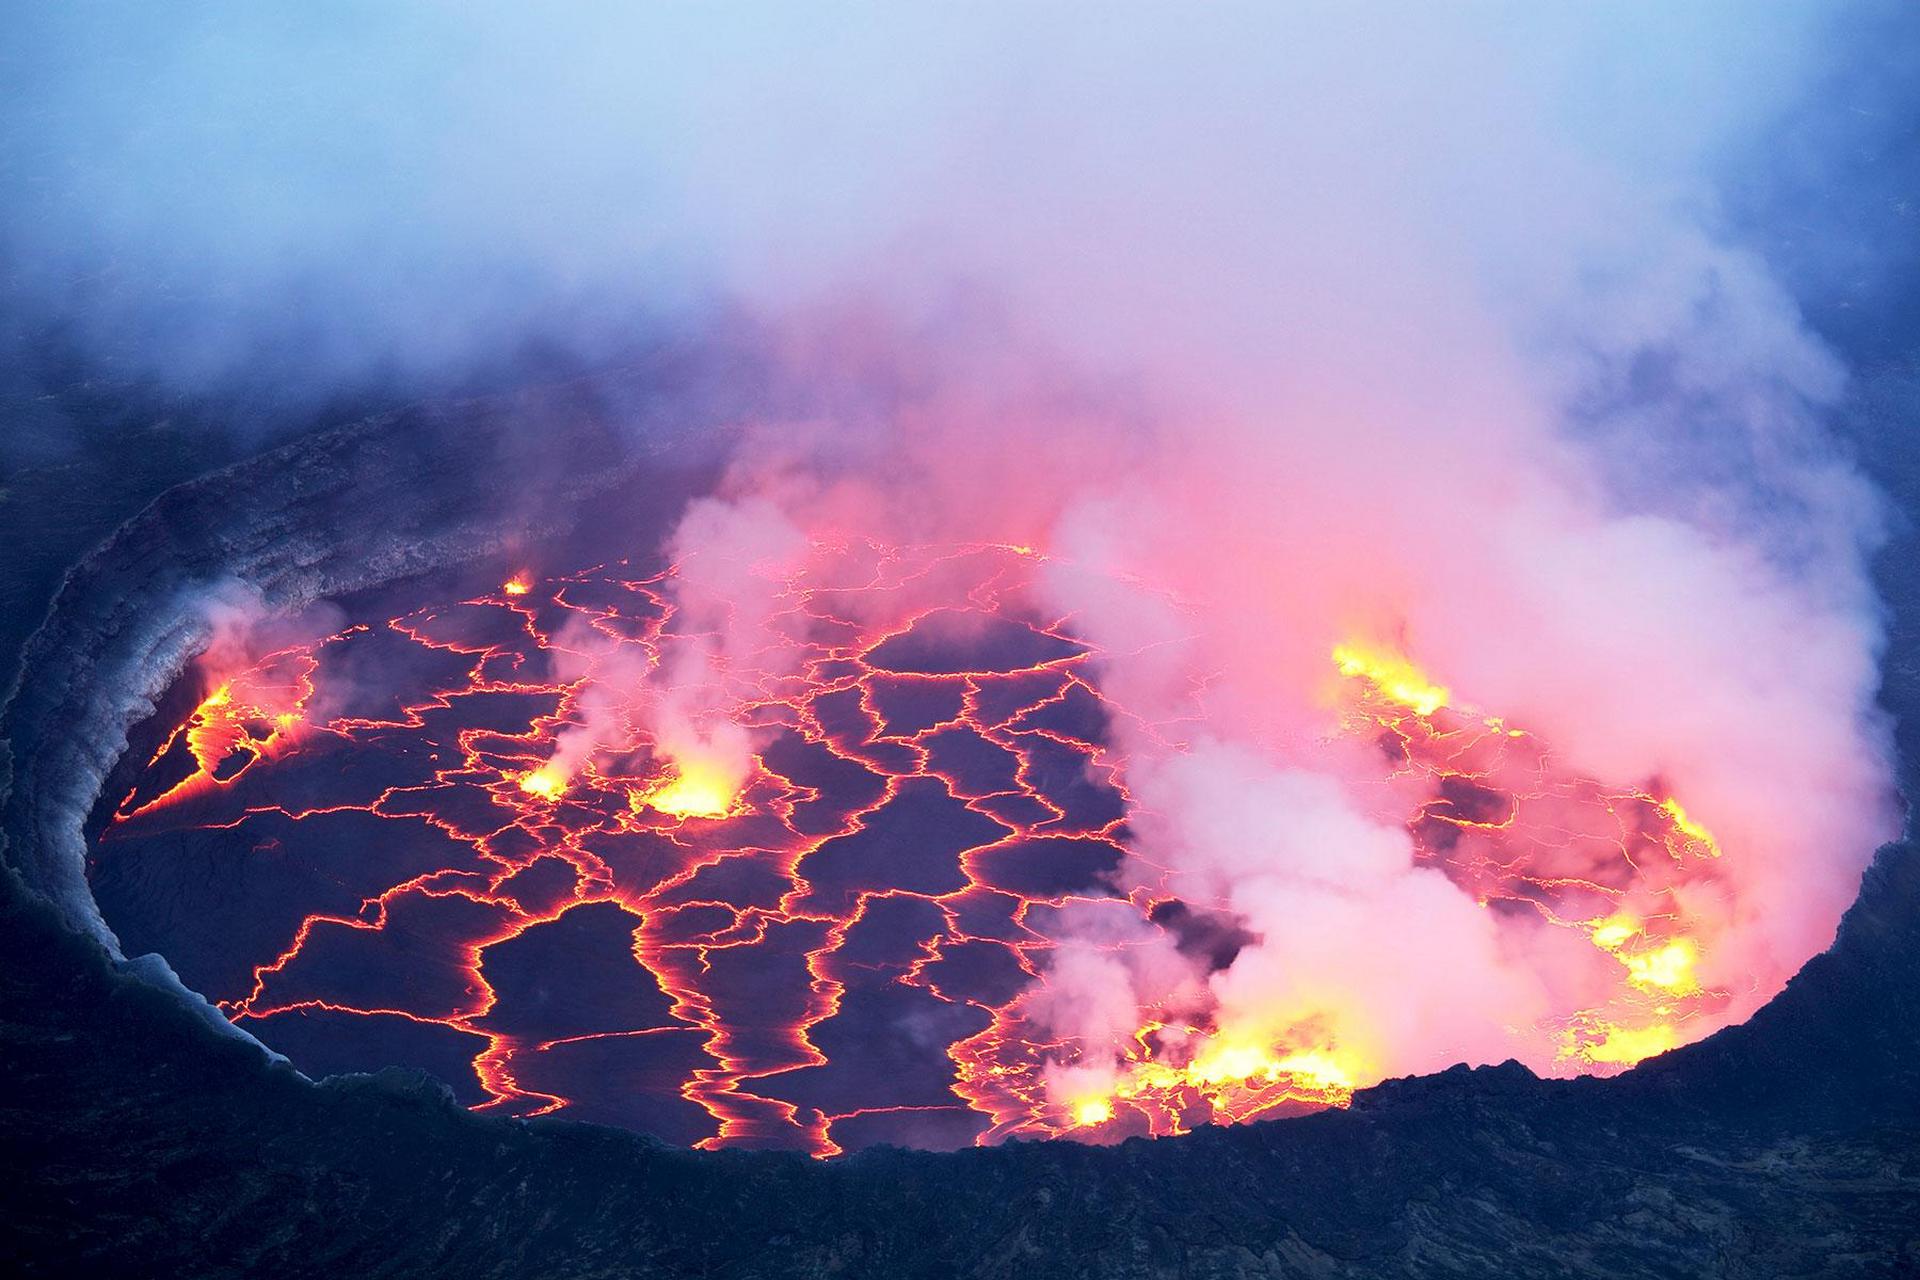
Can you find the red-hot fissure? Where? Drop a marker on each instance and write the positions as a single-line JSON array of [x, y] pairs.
[[843, 940]]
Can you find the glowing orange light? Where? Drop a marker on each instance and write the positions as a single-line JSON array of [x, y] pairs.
[[242, 721], [1641, 976], [1232, 1062], [1610, 933], [698, 790], [1319, 1069], [1092, 1111], [1668, 968], [1236, 1079], [544, 782], [1694, 832], [1397, 679], [1626, 1045]]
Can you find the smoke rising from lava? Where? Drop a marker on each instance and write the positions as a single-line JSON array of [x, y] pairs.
[[730, 562], [1274, 333], [1389, 370]]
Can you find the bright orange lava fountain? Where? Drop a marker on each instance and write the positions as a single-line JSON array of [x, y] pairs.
[[844, 947]]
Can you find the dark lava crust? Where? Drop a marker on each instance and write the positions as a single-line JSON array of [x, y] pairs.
[[142, 1144], [136, 1140]]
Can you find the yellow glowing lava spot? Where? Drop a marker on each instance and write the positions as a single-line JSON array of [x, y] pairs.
[[1396, 679], [1092, 1111], [1228, 1062], [545, 782], [1668, 968], [696, 791], [1610, 933], [1225, 1073], [1321, 1070], [1624, 1046], [1695, 833], [518, 585]]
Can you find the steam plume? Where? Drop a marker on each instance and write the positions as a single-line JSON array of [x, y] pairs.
[[1274, 332]]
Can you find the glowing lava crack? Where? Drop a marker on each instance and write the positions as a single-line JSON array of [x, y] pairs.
[[419, 841]]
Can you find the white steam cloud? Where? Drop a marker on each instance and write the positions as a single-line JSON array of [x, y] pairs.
[[1409, 325]]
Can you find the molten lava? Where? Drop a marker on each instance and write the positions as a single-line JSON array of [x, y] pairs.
[[1392, 677], [697, 790], [544, 782], [843, 942]]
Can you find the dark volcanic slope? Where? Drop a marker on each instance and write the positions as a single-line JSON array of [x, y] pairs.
[[142, 1144]]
